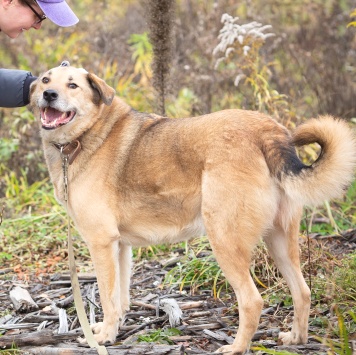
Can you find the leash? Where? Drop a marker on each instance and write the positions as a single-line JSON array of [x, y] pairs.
[[308, 239], [66, 152]]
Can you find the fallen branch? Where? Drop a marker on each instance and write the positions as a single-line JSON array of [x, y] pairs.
[[138, 349], [273, 332], [35, 339], [140, 327]]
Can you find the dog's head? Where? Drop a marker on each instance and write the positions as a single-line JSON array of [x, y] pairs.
[[67, 99]]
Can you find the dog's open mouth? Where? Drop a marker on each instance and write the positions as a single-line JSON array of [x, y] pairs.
[[52, 118]]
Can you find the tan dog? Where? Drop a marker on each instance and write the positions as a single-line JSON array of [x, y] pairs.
[[142, 179]]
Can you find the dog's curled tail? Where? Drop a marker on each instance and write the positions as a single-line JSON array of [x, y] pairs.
[[331, 174]]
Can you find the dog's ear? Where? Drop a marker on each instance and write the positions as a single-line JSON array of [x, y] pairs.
[[65, 63], [106, 92]]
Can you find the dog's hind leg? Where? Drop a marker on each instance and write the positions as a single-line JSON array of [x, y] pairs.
[[234, 227], [234, 260], [235, 266], [282, 243]]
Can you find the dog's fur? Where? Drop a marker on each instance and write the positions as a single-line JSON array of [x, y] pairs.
[[142, 179]]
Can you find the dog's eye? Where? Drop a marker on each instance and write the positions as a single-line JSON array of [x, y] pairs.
[[45, 80], [72, 86]]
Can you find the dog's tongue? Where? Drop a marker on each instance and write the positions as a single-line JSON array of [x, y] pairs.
[[51, 114], [52, 118]]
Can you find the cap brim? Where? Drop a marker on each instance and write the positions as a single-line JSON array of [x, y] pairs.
[[59, 13]]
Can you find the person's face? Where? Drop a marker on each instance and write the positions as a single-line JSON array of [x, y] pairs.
[[16, 18]]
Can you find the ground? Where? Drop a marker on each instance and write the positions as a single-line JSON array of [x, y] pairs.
[[207, 322]]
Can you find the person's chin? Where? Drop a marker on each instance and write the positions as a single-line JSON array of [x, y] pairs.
[[14, 34]]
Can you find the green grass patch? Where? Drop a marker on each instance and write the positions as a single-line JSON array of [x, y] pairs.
[[262, 350], [338, 332], [198, 272], [159, 336], [342, 212], [33, 234]]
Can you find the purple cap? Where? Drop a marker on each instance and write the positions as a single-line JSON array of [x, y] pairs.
[[58, 12]]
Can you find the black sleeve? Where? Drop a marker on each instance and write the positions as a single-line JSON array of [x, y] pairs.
[[15, 87]]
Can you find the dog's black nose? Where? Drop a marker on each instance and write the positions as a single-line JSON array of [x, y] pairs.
[[50, 95]]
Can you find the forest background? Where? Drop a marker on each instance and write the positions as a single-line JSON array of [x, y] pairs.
[[306, 68]]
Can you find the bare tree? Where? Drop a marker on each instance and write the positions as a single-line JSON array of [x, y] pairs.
[[160, 15]]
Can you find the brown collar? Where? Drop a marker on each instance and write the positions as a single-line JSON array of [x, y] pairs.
[[71, 149]]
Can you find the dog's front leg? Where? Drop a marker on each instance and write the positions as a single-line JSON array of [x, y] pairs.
[[105, 256], [125, 258]]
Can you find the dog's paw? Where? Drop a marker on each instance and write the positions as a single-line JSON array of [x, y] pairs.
[[102, 335], [103, 338], [286, 338], [291, 338], [96, 327], [125, 307], [230, 350]]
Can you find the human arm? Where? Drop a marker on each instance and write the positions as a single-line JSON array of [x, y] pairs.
[[15, 87]]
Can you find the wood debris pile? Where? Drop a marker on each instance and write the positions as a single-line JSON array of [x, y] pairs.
[[40, 317]]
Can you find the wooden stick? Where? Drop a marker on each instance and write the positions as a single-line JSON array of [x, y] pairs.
[[35, 338], [143, 304], [137, 349]]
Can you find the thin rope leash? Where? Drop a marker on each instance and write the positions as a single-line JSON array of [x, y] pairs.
[[78, 301]]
